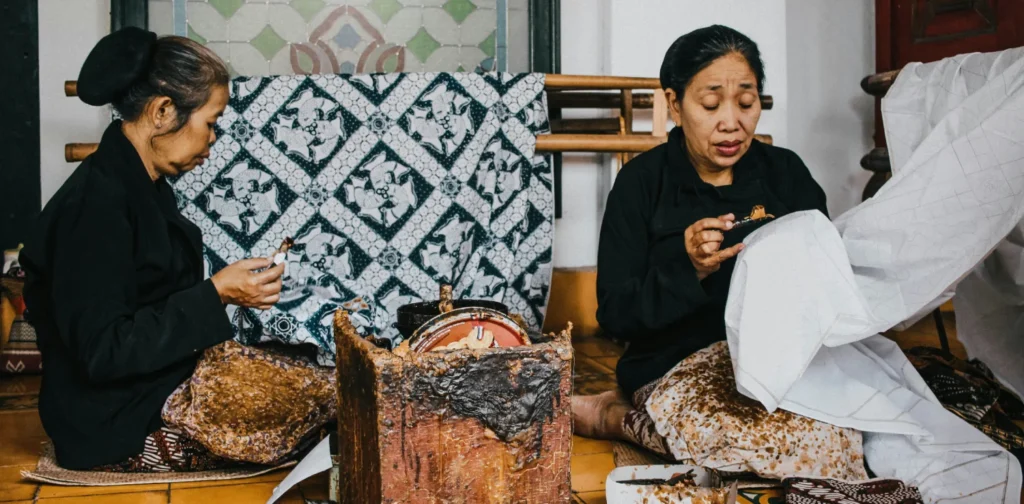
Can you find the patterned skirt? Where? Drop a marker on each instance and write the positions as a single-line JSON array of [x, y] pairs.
[[639, 427], [169, 450]]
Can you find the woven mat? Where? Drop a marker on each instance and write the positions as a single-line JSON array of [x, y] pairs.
[[47, 471]]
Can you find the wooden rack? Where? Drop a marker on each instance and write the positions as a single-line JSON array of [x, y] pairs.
[[877, 161], [613, 134]]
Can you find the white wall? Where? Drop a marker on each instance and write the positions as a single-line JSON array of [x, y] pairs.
[[585, 177], [831, 47], [68, 29], [815, 53]]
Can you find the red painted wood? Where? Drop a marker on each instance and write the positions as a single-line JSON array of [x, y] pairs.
[[929, 30]]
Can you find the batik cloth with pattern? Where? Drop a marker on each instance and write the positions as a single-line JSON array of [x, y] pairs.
[[705, 421], [253, 404], [390, 184], [970, 391], [638, 426], [170, 450], [827, 491]]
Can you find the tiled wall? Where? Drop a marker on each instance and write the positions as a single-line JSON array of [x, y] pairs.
[[272, 37]]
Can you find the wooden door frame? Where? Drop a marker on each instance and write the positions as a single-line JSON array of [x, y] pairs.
[[20, 174]]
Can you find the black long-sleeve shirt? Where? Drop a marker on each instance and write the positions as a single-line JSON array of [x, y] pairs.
[[115, 289], [647, 287]]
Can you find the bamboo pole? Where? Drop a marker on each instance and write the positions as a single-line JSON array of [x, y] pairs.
[[75, 152], [598, 100], [559, 81], [607, 143], [596, 125], [660, 119], [578, 99], [878, 84], [568, 100], [551, 81]]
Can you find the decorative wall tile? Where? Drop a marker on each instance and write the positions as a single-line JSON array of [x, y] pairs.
[[260, 37], [161, 17], [385, 9], [459, 9], [226, 8]]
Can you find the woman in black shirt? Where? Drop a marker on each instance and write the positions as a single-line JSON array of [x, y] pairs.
[[676, 218], [114, 272]]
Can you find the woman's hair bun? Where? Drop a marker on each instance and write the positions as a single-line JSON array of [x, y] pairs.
[[118, 60]]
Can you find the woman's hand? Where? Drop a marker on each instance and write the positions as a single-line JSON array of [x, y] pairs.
[[703, 240], [238, 285]]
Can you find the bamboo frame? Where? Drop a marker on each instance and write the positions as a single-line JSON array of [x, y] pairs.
[[591, 82], [76, 152], [572, 135], [551, 82], [608, 143], [598, 100], [556, 99]]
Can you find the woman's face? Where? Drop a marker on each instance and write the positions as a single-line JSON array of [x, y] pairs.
[[719, 112], [181, 151]]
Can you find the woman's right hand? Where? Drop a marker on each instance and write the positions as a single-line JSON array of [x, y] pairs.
[[703, 241], [238, 285]]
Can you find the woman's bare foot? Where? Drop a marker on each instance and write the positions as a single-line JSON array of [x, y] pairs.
[[600, 416]]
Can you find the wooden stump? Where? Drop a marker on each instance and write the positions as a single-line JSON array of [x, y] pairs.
[[473, 426]]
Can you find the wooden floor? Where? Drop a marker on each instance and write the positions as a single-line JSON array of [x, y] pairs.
[[21, 435]]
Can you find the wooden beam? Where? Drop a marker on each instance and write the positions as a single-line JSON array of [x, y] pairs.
[[75, 152], [596, 125], [660, 120], [877, 160], [878, 84], [556, 99], [560, 81], [599, 100], [606, 143]]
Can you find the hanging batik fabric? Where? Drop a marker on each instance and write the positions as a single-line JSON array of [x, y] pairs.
[[390, 184]]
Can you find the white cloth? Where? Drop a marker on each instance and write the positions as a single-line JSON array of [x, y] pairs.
[[990, 311], [809, 297]]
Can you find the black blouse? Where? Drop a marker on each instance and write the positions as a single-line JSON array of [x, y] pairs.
[[115, 289], [647, 287]]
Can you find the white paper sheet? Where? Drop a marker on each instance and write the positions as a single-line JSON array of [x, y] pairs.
[[316, 461], [808, 296]]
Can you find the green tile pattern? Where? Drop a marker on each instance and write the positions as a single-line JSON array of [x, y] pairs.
[[489, 45], [308, 9], [268, 42], [227, 8], [380, 33], [459, 9], [422, 45], [195, 36], [385, 9]]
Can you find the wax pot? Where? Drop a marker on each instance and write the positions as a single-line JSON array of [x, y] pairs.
[[460, 323], [481, 425]]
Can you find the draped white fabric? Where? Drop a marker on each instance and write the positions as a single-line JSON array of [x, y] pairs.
[[810, 296]]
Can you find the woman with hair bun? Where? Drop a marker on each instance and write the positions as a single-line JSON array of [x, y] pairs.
[[676, 219], [114, 272]]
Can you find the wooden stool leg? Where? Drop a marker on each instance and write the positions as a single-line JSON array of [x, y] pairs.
[[940, 326]]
